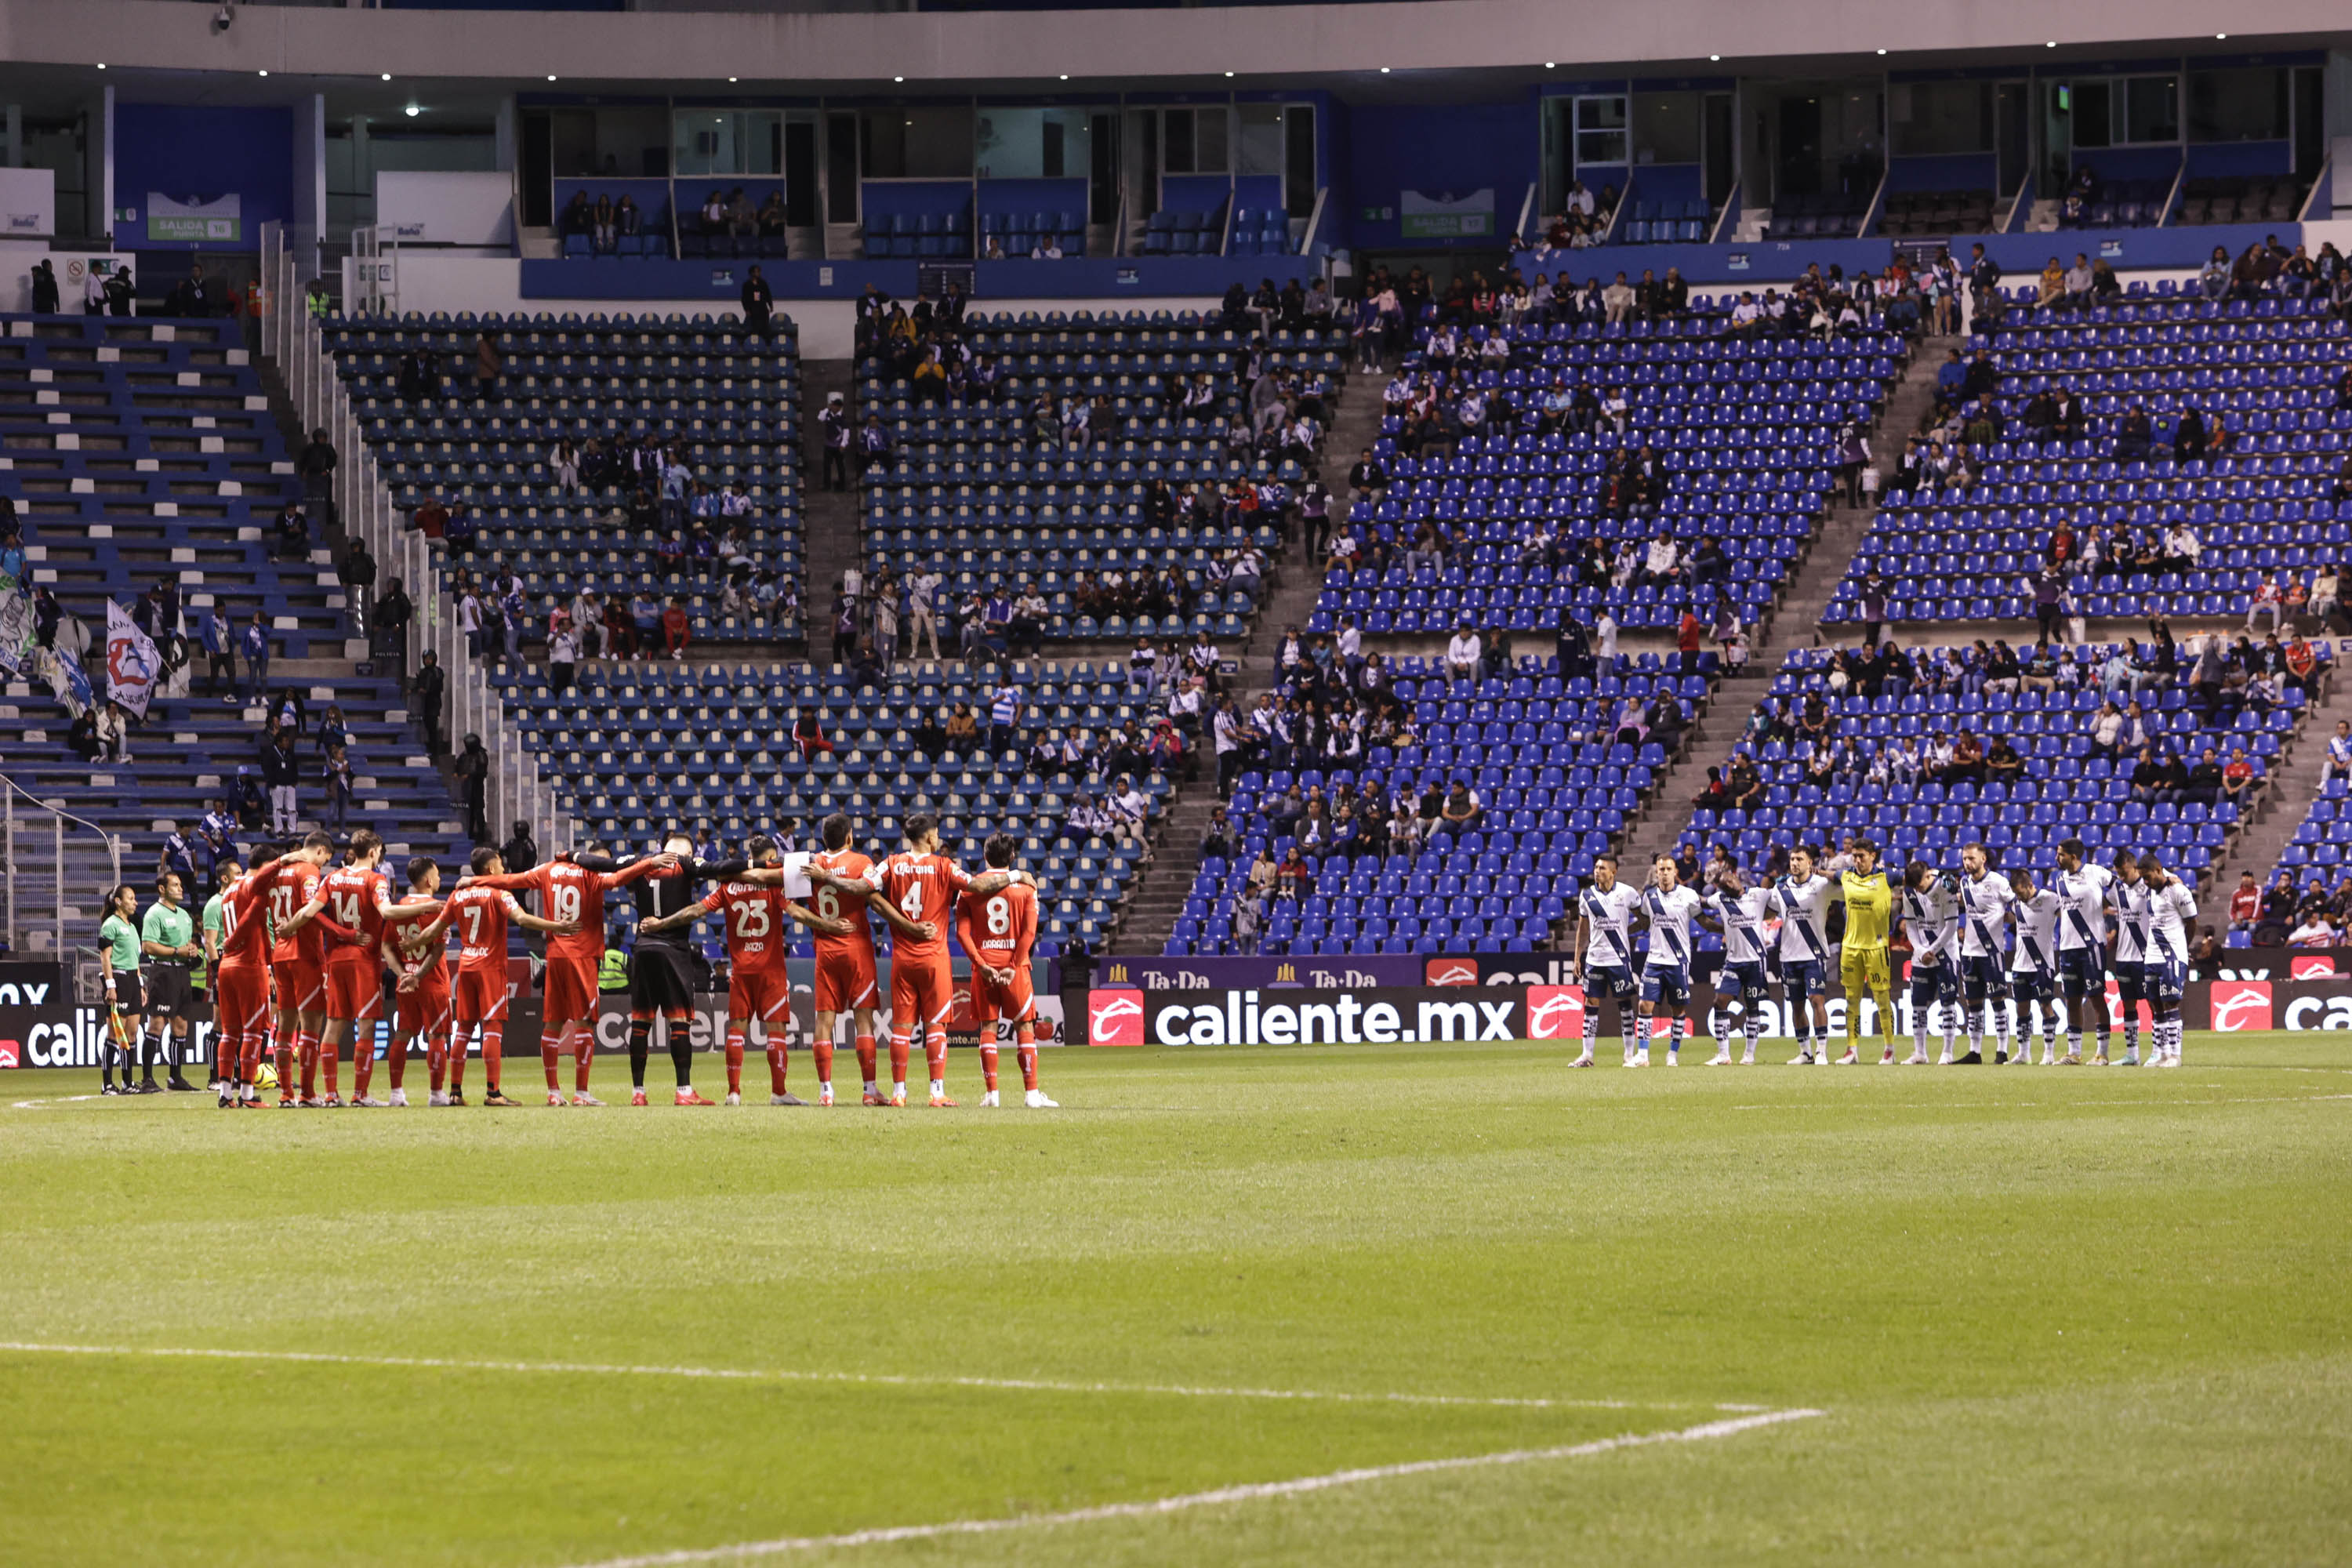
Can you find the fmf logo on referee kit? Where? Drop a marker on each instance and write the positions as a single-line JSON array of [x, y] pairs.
[[2240, 1005], [1555, 1013], [1114, 1018]]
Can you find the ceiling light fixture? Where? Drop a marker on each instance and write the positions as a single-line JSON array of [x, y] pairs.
[[1549, 63], [731, 78], [1882, 51], [1714, 57], [412, 111], [2051, 44], [387, 76], [2220, 35], [551, 79], [1066, 76], [1384, 71], [101, 64], [897, 78], [265, 73]]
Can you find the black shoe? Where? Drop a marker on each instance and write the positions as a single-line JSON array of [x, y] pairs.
[[179, 1085], [2001, 1058], [149, 1085], [1973, 1059], [109, 1088]]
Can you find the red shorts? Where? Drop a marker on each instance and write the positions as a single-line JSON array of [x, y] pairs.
[[1015, 1003], [922, 995], [481, 995], [300, 987], [354, 987], [570, 986], [241, 998], [426, 1010], [845, 980], [763, 993]]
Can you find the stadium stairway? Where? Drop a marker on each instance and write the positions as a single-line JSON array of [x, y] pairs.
[[830, 520], [1294, 585], [2281, 809], [1795, 623]]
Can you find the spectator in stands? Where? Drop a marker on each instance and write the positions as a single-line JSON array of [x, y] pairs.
[[291, 539], [2081, 279], [316, 467], [758, 304], [2213, 282], [1462, 655], [563, 654], [2336, 761], [45, 289], [335, 777], [1619, 300], [2135, 436], [874, 449], [253, 643], [111, 733], [2268, 601], [281, 775], [2051, 287], [419, 377], [2238, 781], [2315, 931]]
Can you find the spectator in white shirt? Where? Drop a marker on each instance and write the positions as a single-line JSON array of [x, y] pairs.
[[1461, 653]]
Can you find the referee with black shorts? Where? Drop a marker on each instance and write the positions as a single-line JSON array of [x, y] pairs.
[[167, 939], [665, 971]]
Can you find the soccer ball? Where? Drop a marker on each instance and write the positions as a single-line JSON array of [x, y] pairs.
[[267, 1078]]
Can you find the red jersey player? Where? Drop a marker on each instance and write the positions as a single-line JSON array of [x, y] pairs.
[[841, 882], [241, 979], [480, 911], [758, 989], [298, 961], [422, 997], [917, 894], [356, 895], [996, 931], [572, 894]]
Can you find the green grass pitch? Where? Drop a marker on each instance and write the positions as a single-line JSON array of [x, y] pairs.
[[2045, 1316]]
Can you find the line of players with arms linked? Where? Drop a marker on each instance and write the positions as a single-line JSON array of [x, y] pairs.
[[308, 948], [1985, 948]]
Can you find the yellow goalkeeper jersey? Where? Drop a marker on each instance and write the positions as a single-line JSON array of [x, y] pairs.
[[1869, 910]]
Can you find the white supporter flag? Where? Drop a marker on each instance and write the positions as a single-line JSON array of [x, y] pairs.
[[131, 661]]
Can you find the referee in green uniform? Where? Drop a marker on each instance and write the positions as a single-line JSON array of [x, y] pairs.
[[118, 964], [167, 937], [212, 931]]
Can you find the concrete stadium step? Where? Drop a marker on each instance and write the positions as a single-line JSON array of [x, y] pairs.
[[1294, 582], [2264, 833]]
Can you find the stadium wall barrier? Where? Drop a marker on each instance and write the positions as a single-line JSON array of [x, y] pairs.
[[1772, 262], [719, 280]]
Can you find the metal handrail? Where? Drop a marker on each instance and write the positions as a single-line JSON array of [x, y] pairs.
[[57, 820], [516, 790]]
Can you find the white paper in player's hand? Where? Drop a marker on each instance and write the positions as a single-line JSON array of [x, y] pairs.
[[796, 879]]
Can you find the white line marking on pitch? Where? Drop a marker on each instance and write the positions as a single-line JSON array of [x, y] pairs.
[[1161, 1507], [55, 1099], [757, 1374], [2035, 1104]]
